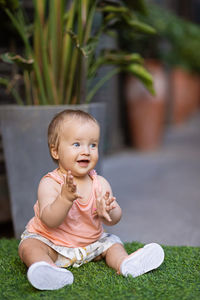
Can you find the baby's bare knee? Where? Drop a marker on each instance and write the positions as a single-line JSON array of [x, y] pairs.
[[25, 248], [28, 247], [33, 250]]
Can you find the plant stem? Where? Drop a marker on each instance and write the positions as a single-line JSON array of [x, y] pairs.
[[100, 83], [5, 82]]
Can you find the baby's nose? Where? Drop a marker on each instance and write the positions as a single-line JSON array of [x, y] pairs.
[[86, 150]]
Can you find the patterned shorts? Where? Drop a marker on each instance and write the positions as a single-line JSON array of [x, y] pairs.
[[77, 256]]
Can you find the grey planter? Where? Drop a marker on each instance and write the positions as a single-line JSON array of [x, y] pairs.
[[27, 158]]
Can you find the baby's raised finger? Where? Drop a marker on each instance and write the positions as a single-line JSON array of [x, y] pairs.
[[107, 195], [107, 217], [69, 178], [110, 200], [73, 187]]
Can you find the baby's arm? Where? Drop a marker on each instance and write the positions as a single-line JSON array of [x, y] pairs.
[[107, 207], [55, 204]]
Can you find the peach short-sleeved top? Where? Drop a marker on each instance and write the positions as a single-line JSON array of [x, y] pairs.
[[81, 227]]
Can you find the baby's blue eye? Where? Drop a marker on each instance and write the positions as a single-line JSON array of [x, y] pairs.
[[76, 144], [93, 145]]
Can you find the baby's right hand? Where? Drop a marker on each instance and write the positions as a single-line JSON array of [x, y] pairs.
[[69, 188]]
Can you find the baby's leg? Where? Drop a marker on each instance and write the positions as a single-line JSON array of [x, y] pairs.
[[115, 255], [143, 260], [33, 250], [43, 274]]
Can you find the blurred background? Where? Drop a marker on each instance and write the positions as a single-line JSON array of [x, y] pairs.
[[151, 149]]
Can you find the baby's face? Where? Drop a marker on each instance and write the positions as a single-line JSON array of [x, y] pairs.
[[78, 147]]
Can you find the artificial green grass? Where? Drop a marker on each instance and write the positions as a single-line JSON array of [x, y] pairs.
[[177, 278]]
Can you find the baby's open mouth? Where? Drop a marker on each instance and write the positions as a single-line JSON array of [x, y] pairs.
[[83, 162]]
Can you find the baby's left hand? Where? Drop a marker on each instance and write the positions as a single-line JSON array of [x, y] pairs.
[[104, 205]]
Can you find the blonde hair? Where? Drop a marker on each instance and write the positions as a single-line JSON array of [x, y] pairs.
[[55, 125]]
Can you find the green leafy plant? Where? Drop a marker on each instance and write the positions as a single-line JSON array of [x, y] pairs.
[[182, 38], [176, 41], [60, 59]]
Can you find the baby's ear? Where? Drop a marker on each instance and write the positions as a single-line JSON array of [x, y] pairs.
[[54, 152]]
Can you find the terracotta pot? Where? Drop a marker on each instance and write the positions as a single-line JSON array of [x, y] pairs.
[[146, 113], [194, 93], [185, 94]]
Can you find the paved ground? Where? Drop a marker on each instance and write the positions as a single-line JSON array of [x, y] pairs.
[[159, 192]]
